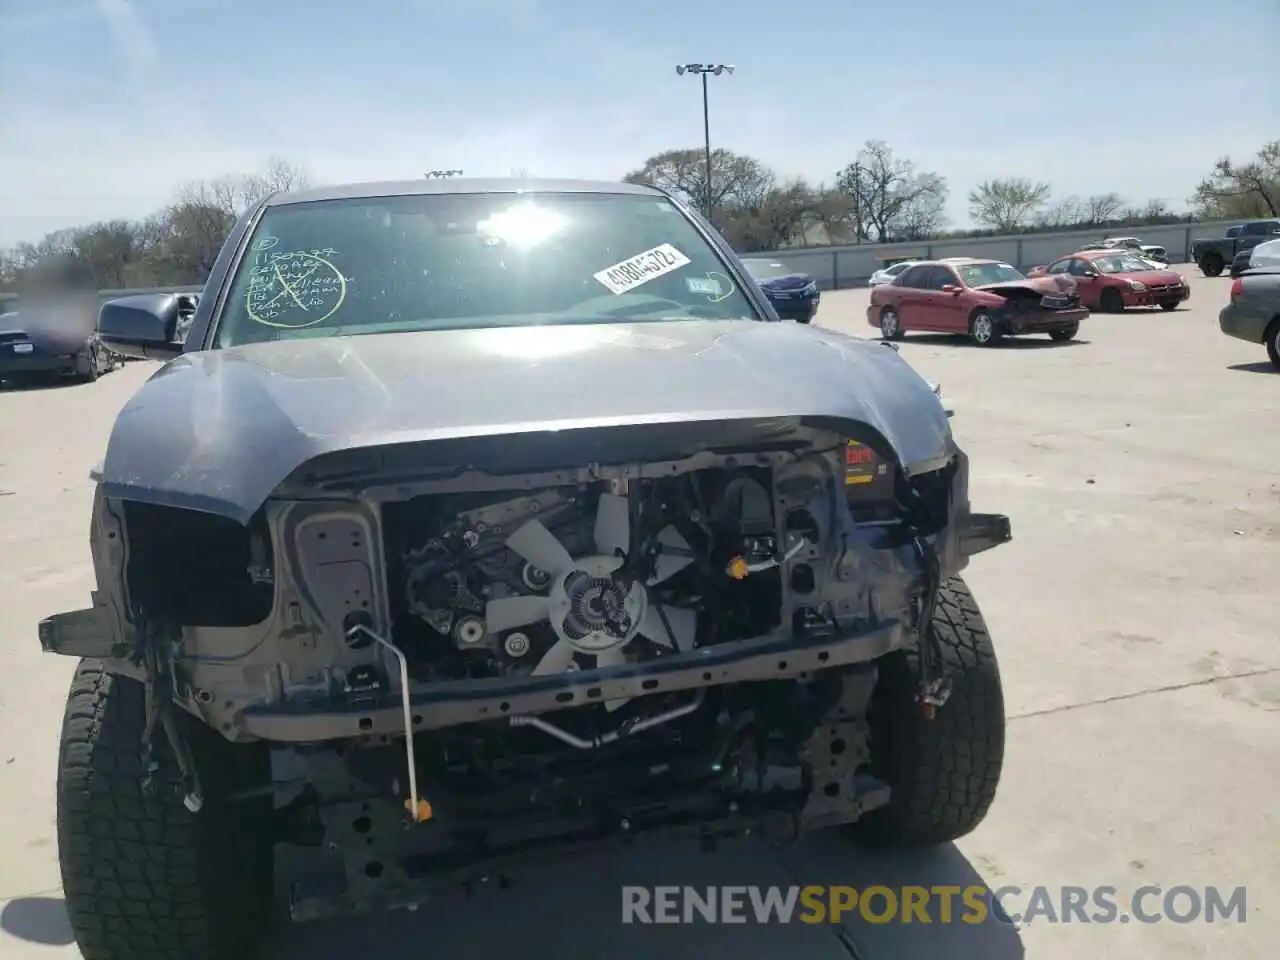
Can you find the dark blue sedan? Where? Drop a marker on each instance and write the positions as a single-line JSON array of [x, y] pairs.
[[794, 295]]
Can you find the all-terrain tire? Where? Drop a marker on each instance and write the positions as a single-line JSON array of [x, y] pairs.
[[942, 772], [1212, 265], [144, 878]]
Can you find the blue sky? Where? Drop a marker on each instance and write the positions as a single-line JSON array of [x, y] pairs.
[[106, 106]]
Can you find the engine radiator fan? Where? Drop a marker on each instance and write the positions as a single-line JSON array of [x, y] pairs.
[[592, 611]]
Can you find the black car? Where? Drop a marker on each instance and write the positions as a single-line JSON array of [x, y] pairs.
[[793, 294], [33, 349]]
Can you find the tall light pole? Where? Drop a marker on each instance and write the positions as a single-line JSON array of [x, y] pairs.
[[702, 70], [442, 174]]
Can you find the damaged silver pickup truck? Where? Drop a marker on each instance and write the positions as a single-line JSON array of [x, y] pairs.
[[469, 522]]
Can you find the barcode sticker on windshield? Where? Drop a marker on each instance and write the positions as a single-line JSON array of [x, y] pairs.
[[641, 268]]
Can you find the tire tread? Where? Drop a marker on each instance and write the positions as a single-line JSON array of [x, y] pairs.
[[944, 772], [143, 878]]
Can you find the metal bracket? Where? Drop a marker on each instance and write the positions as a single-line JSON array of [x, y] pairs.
[[982, 531], [82, 633], [418, 809], [839, 745]]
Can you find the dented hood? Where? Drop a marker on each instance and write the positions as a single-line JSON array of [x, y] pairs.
[[1057, 284], [219, 430]]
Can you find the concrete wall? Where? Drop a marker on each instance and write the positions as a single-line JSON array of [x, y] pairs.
[[839, 267]]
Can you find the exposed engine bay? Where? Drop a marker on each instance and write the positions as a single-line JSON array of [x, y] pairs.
[[582, 577]]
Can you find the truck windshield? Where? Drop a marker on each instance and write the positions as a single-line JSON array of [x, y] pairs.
[[446, 261]]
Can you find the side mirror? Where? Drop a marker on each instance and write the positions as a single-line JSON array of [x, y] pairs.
[[143, 326], [952, 289]]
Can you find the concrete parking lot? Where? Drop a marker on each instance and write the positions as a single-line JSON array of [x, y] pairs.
[[1135, 615]]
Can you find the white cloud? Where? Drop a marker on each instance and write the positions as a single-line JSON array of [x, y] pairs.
[[130, 33]]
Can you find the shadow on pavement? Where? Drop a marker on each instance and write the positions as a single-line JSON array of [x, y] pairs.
[[1026, 342], [831, 860], [40, 920], [35, 386], [1260, 366], [575, 909]]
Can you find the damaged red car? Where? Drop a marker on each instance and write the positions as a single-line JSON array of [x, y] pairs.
[[984, 299], [1111, 280]]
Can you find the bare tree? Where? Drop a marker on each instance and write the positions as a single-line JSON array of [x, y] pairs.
[[280, 175], [1063, 215], [1008, 204], [889, 196], [1242, 190], [1102, 208], [772, 216], [736, 179]]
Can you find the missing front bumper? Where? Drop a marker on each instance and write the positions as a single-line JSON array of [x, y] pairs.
[[436, 705]]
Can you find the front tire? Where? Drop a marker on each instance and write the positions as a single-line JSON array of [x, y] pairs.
[[1065, 333], [984, 330], [1111, 301], [942, 773], [890, 324], [89, 366], [1212, 265], [142, 876], [1273, 343]]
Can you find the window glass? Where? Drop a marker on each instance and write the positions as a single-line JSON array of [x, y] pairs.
[[447, 261], [980, 274], [916, 277], [940, 277]]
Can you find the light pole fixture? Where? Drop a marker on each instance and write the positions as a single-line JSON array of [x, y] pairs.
[[442, 174], [702, 70]]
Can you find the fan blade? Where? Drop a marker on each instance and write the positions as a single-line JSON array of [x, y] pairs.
[[539, 546], [667, 565], [613, 525], [556, 660], [613, 657], [507, 612], [684, 626]]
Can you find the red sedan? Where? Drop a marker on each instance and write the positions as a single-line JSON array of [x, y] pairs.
[[986, 299], [1111, 280]]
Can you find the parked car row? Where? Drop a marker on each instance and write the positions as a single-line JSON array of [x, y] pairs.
[[1215, 255]]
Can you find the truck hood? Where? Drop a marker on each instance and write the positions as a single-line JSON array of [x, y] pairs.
[[219, 430]]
